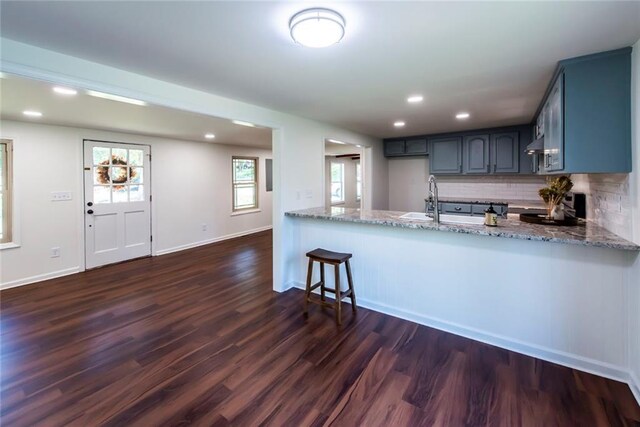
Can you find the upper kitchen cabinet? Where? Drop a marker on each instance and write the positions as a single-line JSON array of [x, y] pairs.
[[405, 147], [445, 155], [505, 152], [585, 116], [475, 156]]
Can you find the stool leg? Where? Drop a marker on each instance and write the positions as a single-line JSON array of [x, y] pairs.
[[308, 290], [322, 292], [338, 303], [353, 292]]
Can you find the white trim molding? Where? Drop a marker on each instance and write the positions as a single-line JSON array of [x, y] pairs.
[[40, 278], [209, 241]]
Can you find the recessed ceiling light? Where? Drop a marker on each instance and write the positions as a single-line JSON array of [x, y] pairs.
[[359, 146], [243, 123], [335, 141], [462, 116], [65, 91], [116, 98], [415, 98], [317, 27], [399, 124], [209, 135], [31, 113]]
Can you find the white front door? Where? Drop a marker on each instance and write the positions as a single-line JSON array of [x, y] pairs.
[[117, 205]]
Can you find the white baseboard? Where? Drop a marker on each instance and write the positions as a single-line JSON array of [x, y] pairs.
[[209, 241], [574, 361], [40, 278]]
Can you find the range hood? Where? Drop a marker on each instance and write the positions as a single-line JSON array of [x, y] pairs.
[[536, 146]]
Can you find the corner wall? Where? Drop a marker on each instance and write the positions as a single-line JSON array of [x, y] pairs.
[[634, 191], [298, 143]]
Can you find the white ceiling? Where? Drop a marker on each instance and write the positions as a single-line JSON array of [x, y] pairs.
[[82, 110], [333, 149], [492, 59]]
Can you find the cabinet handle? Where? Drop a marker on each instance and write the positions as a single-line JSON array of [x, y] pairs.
[[495, 168], [458, 208]]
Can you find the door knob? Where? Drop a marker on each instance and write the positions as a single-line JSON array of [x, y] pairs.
[[90, 211], [90, 204]]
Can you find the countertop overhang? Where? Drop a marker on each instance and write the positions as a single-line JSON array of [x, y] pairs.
[[585, 234]]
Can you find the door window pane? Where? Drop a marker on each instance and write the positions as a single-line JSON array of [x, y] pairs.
[[136, 193], [100, 155], [101, 175], [119, 156], [136, 157], [101, 194], [136, 175], [119, 194], [119, 174]]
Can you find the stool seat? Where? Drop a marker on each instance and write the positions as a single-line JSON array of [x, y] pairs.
[[336, 259], [329, 257]]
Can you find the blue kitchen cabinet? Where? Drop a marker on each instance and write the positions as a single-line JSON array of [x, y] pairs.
[[475, 155], [445, 155]]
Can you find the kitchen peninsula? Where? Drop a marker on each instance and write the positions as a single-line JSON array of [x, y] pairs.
[[557, 293]]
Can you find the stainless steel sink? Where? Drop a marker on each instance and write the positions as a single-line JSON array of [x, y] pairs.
[[447, 219]]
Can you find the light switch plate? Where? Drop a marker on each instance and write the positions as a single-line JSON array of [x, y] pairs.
[[59, 196]]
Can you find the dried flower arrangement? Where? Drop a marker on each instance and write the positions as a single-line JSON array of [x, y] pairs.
[[554, 193]]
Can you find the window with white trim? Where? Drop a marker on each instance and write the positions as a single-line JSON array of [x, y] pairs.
[[358, 181], [6, 153], [245, 183], [337, 183]]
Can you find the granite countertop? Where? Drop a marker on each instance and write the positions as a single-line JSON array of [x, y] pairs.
[[585, 234], [513, 203]]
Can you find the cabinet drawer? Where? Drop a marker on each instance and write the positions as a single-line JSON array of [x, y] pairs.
[[478, 210], [456, 208]]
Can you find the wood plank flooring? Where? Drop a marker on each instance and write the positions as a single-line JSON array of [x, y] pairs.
[[199, 338]]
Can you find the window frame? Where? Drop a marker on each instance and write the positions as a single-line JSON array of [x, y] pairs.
[[358, 168], [235, 184], [342, 183], [7, 192]]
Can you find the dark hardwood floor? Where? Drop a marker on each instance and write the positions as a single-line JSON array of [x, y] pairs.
[[198, 337]]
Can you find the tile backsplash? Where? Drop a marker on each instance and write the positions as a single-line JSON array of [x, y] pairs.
[[499, 187], [608, 201]]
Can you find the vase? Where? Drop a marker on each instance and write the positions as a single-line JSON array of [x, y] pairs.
[[557, 212]]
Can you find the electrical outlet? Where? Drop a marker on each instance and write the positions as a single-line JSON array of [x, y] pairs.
[[308, 194], [60, 196], [204, 227], [55, 252]]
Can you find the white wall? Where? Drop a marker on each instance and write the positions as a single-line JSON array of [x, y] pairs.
[[191, 186], [408, 183], [298, 143], [350, 183]]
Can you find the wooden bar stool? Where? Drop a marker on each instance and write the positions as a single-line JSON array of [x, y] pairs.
[[324, 256]]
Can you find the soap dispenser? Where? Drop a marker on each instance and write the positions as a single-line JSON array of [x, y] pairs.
[[491, 217]]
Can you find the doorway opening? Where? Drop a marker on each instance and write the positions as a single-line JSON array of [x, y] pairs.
[[343, 174]]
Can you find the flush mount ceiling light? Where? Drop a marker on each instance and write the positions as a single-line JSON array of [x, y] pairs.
[[116, 98], [209, 135], [32, 113], [65, 91], [399, 124], [462, 116], [317, 27], [243, 123], [414, 99]]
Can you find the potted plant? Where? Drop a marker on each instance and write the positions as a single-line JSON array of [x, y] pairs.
[[553, 195]]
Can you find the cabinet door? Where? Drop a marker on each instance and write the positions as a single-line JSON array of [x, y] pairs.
[[505, 152], [416, 147], [445, 155], [475, 154], [554, 129], [394, 148]]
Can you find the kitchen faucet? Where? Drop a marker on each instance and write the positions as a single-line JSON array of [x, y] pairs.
[[432, 203]]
